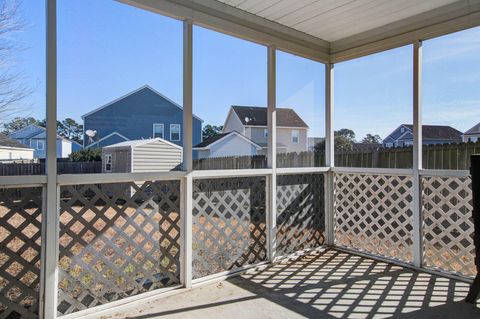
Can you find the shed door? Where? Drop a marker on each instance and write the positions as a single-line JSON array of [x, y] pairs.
[[121, 162]]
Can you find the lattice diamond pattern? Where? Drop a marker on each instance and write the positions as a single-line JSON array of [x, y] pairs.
[[448, 224], [117, 240], [20, 245], [300, 212], [374, 214], [229, 224]]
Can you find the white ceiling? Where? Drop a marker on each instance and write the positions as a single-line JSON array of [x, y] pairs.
[[333, 20]]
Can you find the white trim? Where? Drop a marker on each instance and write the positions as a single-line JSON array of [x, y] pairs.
[[373, 171], [17, 148], [146, 86], [227, 135], [134, 143], [80, 179], [207, 174], [106, 158], [297, 137], [104, 138], [22, 181], [302, 170], [153, 130], [179, 132]]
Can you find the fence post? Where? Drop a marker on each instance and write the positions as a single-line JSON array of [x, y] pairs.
[[417, 156]]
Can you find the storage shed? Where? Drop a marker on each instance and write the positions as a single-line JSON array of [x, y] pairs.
[[150, 155]]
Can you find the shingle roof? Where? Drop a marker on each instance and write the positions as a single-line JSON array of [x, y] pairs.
[[474, 130], [439, 132], [210, 140], [8, 142], [257, 116]]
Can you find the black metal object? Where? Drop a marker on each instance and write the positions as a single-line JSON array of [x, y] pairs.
[[475, 172]]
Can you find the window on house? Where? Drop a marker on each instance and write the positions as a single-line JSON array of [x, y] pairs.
[[40, 145], [402, 130], [157, 130], [265, 132], [295, 136], [108, 162], [174, 132]]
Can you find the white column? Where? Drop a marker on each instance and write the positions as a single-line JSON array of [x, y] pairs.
[[329, 155], [50, 218], [187, 183], [187, 95], [272, 155], [417, 155]]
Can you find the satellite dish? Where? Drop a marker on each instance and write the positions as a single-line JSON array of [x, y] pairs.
[[91, 133]]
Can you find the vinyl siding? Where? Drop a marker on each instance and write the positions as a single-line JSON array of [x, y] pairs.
[[232, 145], [156, 157], [10, 153], [134, 116], [233, 123]]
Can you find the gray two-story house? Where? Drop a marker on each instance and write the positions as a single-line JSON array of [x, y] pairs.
[[251, 122], [402, 136], [141, 114]]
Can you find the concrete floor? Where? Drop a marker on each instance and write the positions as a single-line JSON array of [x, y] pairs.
[[328, 284]]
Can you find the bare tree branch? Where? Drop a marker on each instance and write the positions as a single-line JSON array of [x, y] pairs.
[[13, 89]]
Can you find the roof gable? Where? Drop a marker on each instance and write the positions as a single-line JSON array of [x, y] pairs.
[[145, 88], [208, 142], [28, 131], [474, 130], [258, 116]]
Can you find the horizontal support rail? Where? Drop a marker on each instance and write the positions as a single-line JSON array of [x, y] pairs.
[[302, 170], [443, 173], [23, 181], [377, 171], [230, 173], [74, 179]]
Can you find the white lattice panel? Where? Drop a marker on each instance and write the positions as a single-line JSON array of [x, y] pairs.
[[117, 240], [373, 213], [229, 224], [20, 245], [448, 224], [300, 212]]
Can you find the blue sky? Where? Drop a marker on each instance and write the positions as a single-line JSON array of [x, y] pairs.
[[107, 49]]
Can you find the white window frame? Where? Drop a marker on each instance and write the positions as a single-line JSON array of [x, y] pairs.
[[265, 132], [297, 136], [179, 132], [40, 142], [108, 161], [163, 130]]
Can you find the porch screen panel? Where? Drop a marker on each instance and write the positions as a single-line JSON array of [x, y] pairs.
[[300, 212], [373, 214], [448, 224], [229, 224], [117, 240], [20, 250]]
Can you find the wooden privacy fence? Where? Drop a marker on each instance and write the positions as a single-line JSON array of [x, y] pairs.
[[12, 169]]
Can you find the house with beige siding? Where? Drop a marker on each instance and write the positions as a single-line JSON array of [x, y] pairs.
[[251, 122]]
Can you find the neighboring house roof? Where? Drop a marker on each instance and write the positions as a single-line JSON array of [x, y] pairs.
[[5, 141], [258, 116], [208, 142], [134, 143], [473, 130], [133, 92], [33, 131], [438, 132], [106, 137], [366, 146]]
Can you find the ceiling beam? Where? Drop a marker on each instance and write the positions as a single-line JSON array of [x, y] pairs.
[[223, 18], [450, 18]]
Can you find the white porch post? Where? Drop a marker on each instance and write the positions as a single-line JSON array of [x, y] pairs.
[[50, 218], [187, 182], [329, 155], [417, 155], [272, 155]]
